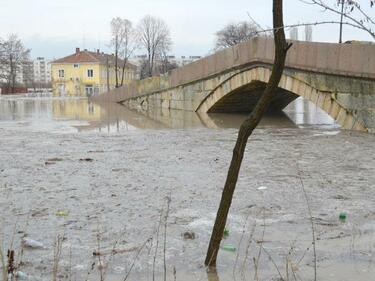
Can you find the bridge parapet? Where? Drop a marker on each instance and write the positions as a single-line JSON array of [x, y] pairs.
[[352, 60]]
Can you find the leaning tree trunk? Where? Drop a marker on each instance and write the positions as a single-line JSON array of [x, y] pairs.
[[246, 129]]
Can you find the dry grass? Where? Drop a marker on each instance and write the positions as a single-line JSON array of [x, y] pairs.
[[57, 251], [285, 269]]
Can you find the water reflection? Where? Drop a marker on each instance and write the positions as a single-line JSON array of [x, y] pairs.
[[303, 112], [59, 114]]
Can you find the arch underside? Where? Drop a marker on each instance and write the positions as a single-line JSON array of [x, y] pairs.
[[244, 99], [241, 92]]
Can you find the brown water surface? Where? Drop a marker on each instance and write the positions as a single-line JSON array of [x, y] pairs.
[[99, 175]]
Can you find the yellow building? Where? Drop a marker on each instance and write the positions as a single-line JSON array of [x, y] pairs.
[[85, 73]]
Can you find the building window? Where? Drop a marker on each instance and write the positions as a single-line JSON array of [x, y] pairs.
[[90, 73], [89, 90], [75, 65], [61, 73]]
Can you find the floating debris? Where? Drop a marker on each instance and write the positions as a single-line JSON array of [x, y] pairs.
[[343, 216], [114, 251], [86, 159], [30, 243], [21, 275], [228, 248], [189, 235], [52, 161], [226, 233], [62, 213], [55, 159]]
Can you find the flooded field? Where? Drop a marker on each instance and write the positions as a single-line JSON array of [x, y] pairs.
[[142, 189]]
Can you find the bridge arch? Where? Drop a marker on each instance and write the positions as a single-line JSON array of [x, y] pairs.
[[240, 92]]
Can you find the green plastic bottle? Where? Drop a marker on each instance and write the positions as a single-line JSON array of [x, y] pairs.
[[226, 233], [229, 248], [343, 216]]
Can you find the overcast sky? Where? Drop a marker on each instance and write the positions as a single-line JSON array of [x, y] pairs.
[[53, 28]]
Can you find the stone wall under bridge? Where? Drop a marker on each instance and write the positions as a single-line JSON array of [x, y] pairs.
[[338, 79]]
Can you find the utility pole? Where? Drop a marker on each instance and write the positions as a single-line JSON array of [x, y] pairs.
[[342, 16]]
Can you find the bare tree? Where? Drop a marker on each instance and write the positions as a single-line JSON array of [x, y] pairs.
[[155, 38], [125, 42], [130, 44], [163, 64], [246, 129], [143, 69], [3, 65], [235, 33], [13, 55], [350, 10], [166, 65], [116, 43]]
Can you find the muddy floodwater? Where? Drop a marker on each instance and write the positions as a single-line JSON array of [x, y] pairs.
[[140, 189]]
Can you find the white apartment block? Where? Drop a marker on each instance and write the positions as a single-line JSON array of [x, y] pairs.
[[293, 33], [307, 33], [179, 60], [42, 70], [36, 72], [183, 60]]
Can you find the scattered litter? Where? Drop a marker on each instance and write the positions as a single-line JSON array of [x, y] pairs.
[[262, 187], [189, 235], [55, 159], [119, 269], [52, 161], [341, 197], [343, 216], [114, 251], [30, 243], [228, 248], [62, 213], [79, 267], [326, 133], [226, 233], [21, 275], [39, 212], [86, 159]]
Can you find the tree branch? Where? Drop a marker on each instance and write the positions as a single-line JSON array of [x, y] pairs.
[[358, 23]]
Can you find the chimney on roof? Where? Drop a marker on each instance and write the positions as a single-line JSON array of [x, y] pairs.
[[77, 50]]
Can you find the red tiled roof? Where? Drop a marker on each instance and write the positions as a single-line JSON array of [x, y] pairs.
[[91, 57]]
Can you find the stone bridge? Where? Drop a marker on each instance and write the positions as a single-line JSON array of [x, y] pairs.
[[338, 78]]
